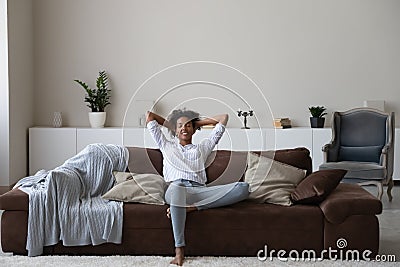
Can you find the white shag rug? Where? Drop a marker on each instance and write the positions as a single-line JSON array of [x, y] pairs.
[[154, 261]]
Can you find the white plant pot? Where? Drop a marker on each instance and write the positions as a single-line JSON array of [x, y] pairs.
[[97, 119]]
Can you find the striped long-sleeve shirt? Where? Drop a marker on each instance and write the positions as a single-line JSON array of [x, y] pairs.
[[185, 162]]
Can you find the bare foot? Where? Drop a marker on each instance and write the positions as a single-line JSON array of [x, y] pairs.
[[188, 209], [169, 213], [179, 257]]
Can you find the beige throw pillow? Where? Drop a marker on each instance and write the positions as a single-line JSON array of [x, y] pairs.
[[271, 181], [142, 188]]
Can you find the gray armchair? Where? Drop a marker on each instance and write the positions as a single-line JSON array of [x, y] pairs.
[[363, 144]]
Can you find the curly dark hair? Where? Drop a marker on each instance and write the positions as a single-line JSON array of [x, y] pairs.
[[193, 116]]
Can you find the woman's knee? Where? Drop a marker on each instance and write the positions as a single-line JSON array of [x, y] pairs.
[[242, 189], [176, 194], [176, 188]]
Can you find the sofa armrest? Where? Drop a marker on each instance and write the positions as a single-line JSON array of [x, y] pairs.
[[14, 200], [347, 200]]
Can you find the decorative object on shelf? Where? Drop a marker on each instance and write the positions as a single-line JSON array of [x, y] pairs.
[[245, 114], [282, 123], [98, 99], [317, 120], [137, 110], [57, 119]]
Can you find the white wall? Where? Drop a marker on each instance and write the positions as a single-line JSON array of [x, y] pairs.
[[21, 84], [17, 114], [301, 53]]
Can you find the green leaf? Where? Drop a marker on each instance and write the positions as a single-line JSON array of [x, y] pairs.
[[97, 99], [317, 111]]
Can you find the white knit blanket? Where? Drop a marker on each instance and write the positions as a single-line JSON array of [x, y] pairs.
[[65, 203]]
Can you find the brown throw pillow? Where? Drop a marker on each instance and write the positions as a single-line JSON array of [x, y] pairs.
[[317, 186]]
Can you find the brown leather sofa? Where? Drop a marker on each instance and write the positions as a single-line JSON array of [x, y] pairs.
[[242, 229]]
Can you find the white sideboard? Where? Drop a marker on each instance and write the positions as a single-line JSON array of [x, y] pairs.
[[139, 137], [50, 147]]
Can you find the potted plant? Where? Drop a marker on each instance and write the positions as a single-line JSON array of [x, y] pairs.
[[97, 99], [317, 119]]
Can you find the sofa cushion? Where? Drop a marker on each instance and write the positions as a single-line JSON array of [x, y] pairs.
[[14, 200], [271, 181], [145, 160], [347, 200], [141, 188], [357, 170], [224, 167], [363, 154], [241, 215], [317, 186]]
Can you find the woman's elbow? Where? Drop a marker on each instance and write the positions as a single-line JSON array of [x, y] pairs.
[[225, 118], [149, 116]]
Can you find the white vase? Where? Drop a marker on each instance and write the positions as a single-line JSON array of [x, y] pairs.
[[97, 119]]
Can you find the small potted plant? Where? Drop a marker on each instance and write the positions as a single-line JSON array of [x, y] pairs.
[[317, 119], [97, 99]]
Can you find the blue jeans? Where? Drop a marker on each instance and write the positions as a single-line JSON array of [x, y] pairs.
[[184, 193]]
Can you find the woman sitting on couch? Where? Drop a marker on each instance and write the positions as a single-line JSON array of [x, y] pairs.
[[184, 169]]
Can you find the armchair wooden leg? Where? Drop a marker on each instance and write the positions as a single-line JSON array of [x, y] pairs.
[[389, 189], [380, 190], [378, 184]]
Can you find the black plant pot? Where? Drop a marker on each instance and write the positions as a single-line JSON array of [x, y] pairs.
[[317, 122]]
